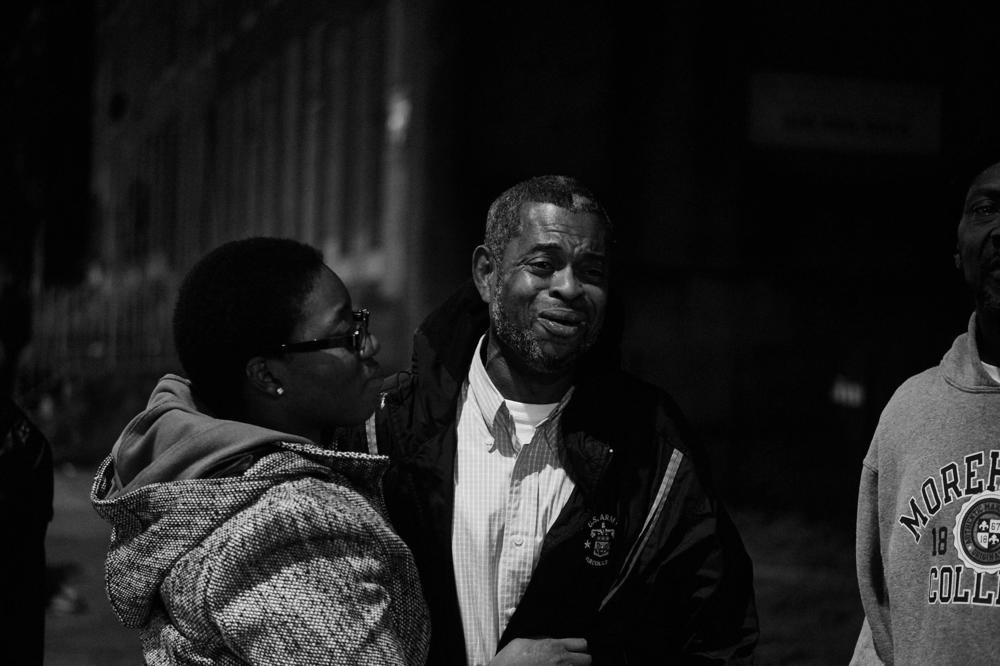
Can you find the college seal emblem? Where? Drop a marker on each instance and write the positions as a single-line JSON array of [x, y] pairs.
[[977, 532], [601, 534]]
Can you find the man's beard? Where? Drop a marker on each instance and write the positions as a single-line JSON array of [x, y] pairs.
[[524, 342], [988, 290], [988, 298]]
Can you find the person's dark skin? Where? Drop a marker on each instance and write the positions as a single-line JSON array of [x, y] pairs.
[[543, 652], [547, 297], [552, 285], [978, 257], [319, 390], [988, 336]]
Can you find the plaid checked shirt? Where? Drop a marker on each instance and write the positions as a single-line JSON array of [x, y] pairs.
[[507, 495]]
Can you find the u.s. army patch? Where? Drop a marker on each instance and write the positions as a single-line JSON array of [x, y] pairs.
[[601, 537]]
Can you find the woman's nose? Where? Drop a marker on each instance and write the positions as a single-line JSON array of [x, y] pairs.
[[371, 346]]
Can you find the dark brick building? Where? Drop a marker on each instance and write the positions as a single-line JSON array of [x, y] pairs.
[[778, 173]]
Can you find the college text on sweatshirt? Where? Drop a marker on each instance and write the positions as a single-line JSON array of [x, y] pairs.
[[965, 555]]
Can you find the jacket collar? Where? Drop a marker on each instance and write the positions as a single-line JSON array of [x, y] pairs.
[[443, 349]]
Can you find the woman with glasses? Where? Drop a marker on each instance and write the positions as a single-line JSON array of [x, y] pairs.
[[241, 533]]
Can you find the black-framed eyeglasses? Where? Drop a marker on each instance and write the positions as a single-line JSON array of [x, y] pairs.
[[354, 340]]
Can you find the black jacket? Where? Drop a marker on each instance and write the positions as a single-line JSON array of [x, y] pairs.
[[25, 512], [678, 589]]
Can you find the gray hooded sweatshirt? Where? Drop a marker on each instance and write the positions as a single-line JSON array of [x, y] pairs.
[[234, 544], [928, 534]]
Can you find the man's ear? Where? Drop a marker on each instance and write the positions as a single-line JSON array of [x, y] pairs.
[[260, 377], [482, 272]]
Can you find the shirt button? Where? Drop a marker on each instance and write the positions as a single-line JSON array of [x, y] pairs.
[[518, 541]]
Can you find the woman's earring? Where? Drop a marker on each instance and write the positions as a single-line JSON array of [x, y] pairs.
[[280, 391]]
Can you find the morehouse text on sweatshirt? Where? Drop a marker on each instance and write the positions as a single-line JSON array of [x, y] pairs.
[[928, 539]]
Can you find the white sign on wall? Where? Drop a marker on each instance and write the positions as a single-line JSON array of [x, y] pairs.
[[839, 114]]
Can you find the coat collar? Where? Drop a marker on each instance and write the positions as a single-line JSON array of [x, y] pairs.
[[443, 349]]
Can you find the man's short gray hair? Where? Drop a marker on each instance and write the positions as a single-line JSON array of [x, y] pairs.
[[503, 222]]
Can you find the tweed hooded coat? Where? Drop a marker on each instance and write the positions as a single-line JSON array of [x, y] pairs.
[[233, 544]]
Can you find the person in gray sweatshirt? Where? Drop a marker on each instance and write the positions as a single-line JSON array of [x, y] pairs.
[[928, 531]]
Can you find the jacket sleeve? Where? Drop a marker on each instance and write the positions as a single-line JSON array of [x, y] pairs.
[[711, 565], [871, 573], [694, 582], [321, 593]]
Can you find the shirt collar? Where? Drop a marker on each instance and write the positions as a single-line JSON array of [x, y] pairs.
[[485, 395], [490, 402]]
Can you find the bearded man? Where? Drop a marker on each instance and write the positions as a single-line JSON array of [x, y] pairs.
[[928, 536], [556, 506]]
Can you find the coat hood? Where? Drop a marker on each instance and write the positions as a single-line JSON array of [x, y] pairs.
[[162, 491], [962, 366], [176, 439], [157, 524]]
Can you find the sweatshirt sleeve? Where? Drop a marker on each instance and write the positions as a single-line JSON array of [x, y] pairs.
[[864, 650], [871, 572]]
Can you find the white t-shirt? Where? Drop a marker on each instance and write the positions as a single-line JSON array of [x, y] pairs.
[[526, 417], [992, 370]]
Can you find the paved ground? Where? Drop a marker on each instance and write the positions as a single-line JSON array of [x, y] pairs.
[[807, 594], [82, 630], [807, 597]]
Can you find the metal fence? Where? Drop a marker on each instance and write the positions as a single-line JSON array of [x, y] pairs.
[[120, 326]]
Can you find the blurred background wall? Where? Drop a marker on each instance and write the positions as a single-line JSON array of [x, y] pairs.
[[779, 172], [786, 177]]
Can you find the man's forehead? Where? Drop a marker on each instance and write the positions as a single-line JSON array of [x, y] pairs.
[[546, 210], [544, 219], [989, 178]]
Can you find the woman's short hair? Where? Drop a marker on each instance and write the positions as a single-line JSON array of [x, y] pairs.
[[240, 299]]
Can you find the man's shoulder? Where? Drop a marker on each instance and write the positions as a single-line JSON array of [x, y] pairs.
[[398, 385], [915, 391], [914, 404], [617, 380], [640, 412], [642, 398]]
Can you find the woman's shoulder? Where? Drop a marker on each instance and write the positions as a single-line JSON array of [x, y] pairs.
[[292, 557], [298, 517], [345, 470], [328, 496]]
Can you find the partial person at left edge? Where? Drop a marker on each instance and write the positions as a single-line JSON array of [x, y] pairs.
[[241, 533], [25, 495], [25, 512]]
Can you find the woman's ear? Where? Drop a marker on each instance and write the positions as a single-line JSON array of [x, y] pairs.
[[262, 379], [482, 272]]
